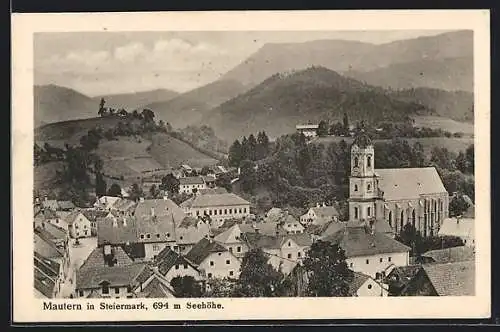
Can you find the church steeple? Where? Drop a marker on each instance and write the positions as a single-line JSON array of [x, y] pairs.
[[362, 157]]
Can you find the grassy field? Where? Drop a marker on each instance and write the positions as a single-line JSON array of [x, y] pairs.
[[452, 144], [436, 122]]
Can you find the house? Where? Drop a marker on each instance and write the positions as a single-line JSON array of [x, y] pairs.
[[50, 204], [109, 272], [232, 241], [212, 259], [369, 252], [47, 276], [212, 191], [189, 232], [218, 207], [78, 225], [449, 279], [45, 247], [54, 234], [290, 224], [399, 277], [190, 185], [209, 180], [93, 215], [171, 264], [66, 205], [120, 231], [105, 202], [320, 215], [154, 287], [186, 170], [308, 130], [364, 285], [273, 215], [460, 227], [448, 255], [396, 196], [264, 228], [123, 206], [284, 251], [50, 216]]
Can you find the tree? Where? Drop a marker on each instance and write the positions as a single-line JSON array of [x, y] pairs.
[[219, 288], [115, 190], [258, 278], [252, 147], [345, 123], [322, 128], [461, 162], [100, 185], [148, 115], [186, 286], [262, 150], [469, 155], [327, 270], [154, 191], [458, 205], [135, 192], [170, 183], [224, 181], [248, 177], [205, 170], [102, 110], [244, 148], [235, 154]]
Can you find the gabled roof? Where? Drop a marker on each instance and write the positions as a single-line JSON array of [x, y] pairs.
[[190, 180], [106, 201], [162, 207], [208, 178], [212, 191], [51, 231], [451, 255], [70, 218], [115, 276], [93, 215], [452, 279], [50, 204], [210, 200], [45, 247], [325, 211], [156, 289], [301, 239], [462, 227], [66, 205], [46, 272], [266, 228], [203, 249], [96, 258], [124, 205], [275, 242], [109, 232], [224, 236], [49, 214], [409, 183], [167, 258], [358, 281], [359, 241]]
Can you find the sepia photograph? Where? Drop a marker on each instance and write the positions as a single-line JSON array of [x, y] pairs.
[[205, 165]]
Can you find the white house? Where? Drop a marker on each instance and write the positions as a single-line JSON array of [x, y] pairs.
[[291, 225], [214, 260], [232, 241], [369, 252], [308, 130], [171, 264], [364, 285], [192, 184], [218, 207], [459, 227], [319, 215], [105, 202], [78, 225]]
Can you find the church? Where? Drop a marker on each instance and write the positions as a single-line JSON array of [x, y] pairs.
[[388, 199]]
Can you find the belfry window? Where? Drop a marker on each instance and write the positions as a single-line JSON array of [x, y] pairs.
[[368, 211], [355, 213], [369, 187], [369, 161], [355, 187], [356, 162]]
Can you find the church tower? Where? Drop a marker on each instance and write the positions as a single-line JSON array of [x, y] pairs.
[[363, 184]]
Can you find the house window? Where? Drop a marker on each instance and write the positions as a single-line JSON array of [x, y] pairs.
[[238, 249], [356, 162], [225, 211], [289, 243], [185, 266], [239, 210], [244, 210], [230, 249], [289, 256], [210, 212], [220, 212], [369, 161], [369, 286], [228, 261], [129, 289], [80, 293], [389, 259], [369, 187], [381, 259], [350, 265], [230, 211], [231, 273], [211, 263], [156, 247], [367, 261], [168, 234], [176, 266], [209, 275], [117, 290], [198, 213], [105, 289], [369, 211], [180, 238], [158, 236], [148, 236], [355, 213], [355, 187], [299, 254], [215, 212]]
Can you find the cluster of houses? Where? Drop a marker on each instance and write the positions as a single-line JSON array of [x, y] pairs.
[[143, 245]]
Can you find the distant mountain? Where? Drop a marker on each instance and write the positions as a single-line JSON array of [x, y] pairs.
[[341, 56], [446, 74], [54, 103], [136, 100], [189, 107], [456, 105], [285, 100]]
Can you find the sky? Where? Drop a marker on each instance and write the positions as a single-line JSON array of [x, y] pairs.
[[99, 63]]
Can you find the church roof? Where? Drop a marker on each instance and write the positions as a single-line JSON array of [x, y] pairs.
[[409, 183], [362, 141]]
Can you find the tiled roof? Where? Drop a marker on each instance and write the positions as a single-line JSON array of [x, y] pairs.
[[409, 183], [463, 228], [302, 239], [162, 207], [70, 218], [325, 211], [124, 205], [50, 204], [223, 237], [189, 221], [191, 180], [190, 235], [159, 228], [452, 279], [227, 199], [45, 247], [167, 258], [156, 289], [116, 276], [359, 241], [106, 201], [96, 258], [110, 233], [46, 272], [93, 215], [212, 191], [202, 250], [49, 214], [208, 178], [275, 242], [451, 255], [266, 228], [358, 281], [51, 231]]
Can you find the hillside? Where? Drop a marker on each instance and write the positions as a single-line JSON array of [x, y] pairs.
[[282, 101], [456, 105], [137, 100], [189, 107], [54, 103], [446, 74], [341, 55]]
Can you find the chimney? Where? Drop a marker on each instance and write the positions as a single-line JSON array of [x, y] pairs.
[[141, 199]]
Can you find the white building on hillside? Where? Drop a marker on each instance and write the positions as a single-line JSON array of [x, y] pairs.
[[309, 130], [192, 184]]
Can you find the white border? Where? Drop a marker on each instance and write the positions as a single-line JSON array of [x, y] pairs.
[[28, 309]]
